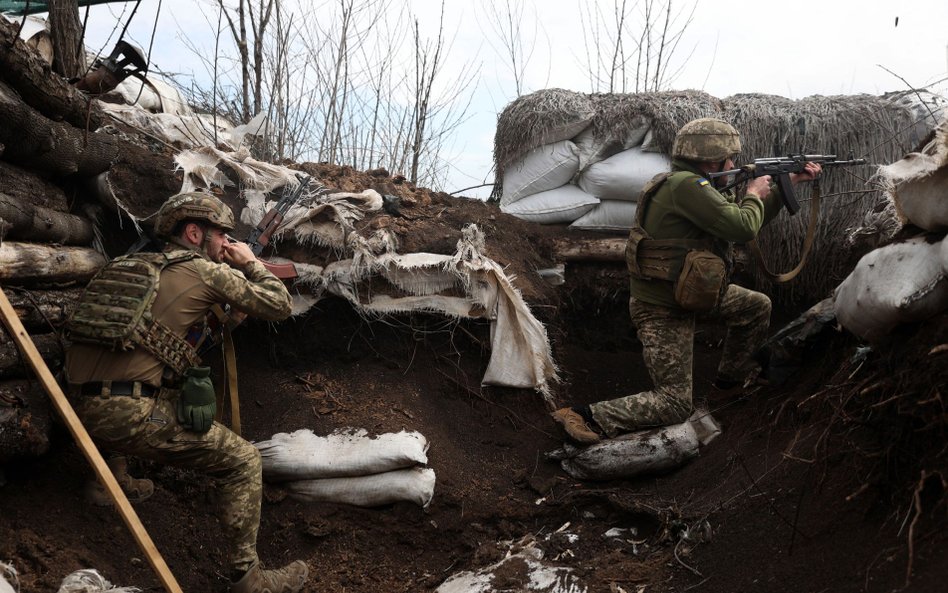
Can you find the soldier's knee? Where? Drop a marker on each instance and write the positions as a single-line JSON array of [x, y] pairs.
[[761, 305]]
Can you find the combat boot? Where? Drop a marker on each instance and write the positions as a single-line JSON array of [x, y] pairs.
[[289, 579], [135, 489], [575, 426]]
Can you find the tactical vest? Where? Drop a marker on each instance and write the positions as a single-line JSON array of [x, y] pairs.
[[115, 310], [699, 275]]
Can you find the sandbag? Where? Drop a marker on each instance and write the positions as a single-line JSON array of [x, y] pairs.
[[609, 215], [622, 176], [302, 455], [8, 579], [545, 167], [89, 580], [412, 485], [646, 451], [556, 206], [899, 283], [592, 149], [924, 201]]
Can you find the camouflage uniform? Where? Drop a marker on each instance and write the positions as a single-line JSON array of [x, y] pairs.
[[667, 337], [148, 427]]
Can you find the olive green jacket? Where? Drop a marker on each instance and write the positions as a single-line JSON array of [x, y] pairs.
[[687, 206]]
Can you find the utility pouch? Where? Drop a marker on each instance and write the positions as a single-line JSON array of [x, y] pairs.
[[701, 283], [197, 403], [636, 235]]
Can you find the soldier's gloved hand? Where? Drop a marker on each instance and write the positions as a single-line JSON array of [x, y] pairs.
[[197, 403]]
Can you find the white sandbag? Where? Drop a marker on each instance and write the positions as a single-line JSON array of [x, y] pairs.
[[524, 571], [609, 215], [545, 167], [302, 455], [8, 579], [646, 451], [622, 176], [90, 581], [924, 201], [555, 206], [592, 149], [412, 485], [899, 283], [944, 255]]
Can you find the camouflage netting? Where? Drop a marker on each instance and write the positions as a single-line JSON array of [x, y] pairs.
[[538, 118], [879, 129]]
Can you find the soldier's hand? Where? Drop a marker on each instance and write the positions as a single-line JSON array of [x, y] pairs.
[[810, 172], [238, 254], [759, 186]]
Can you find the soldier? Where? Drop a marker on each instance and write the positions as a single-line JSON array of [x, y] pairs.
[[134, 377], [679, 255]]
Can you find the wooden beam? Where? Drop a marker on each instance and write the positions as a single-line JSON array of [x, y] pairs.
[[88, 448], [575, 250]]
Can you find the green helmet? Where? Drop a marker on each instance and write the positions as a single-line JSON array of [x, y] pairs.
[[706, 140], [193, 206]]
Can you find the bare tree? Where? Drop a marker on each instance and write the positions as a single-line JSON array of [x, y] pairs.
[[631, 48], [510, 24], [66, 32]]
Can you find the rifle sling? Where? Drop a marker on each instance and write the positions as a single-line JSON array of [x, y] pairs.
[[229, 384], [807, 241]]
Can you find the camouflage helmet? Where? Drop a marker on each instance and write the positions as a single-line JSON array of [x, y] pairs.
[[196, 206], [706, 140]]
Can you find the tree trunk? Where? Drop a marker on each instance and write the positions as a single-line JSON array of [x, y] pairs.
[[66, 30], [25, 420], [590, 249], [36, 142], [24, 69], [43, 311], [12, 366], [23, 220], [30, 263]]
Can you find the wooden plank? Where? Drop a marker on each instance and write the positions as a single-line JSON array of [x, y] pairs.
[[611, 249], [88, 448]]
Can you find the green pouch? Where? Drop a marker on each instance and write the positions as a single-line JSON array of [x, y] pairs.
[[197, 403]]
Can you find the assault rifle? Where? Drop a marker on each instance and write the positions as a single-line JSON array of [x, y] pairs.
[[260, 235], [780, 169]]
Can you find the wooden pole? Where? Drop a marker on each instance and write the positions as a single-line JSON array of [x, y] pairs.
[[88, 448]]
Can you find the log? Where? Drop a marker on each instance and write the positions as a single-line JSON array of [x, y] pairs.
[[23, 220], [54, 148], [12, 366], [25, 70], [577, 250], [31, 263], [25, 420], [26, 186], [43, 311]]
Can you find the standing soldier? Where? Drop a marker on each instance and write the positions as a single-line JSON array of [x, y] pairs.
[[134, 377], [679, 255]]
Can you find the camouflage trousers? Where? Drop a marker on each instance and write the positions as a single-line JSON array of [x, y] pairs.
[[667, 337], [148, 428]]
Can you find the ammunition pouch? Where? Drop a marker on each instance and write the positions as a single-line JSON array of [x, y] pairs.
[[702, 281], [197, 402]]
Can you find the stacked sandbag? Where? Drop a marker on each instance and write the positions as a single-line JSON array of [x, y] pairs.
[[900, 283], [350, 467], [617, 182], [536, 186]]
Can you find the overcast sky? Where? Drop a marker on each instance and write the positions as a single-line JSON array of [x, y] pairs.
[[794, 49]]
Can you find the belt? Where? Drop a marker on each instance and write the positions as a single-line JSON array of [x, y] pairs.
[[118, 388]]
